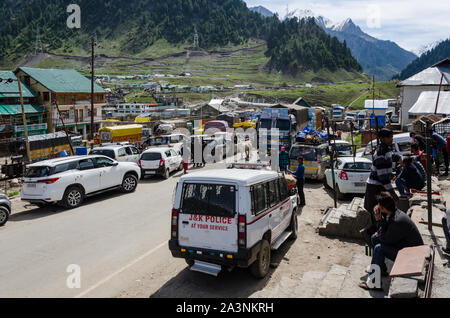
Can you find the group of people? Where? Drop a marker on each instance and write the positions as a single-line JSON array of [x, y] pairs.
[[391, 229]]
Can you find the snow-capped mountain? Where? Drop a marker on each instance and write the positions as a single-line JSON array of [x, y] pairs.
[[262, 10], [381, 58], [427, 48]]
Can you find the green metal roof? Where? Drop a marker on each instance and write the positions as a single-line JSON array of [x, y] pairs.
[[17, 109], [11, 90], [62, 81]]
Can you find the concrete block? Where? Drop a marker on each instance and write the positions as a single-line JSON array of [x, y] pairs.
[[403, 288]]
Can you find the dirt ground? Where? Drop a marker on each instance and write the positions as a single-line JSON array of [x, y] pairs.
[[310, 252]]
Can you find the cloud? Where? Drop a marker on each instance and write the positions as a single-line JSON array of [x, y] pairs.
[[409, 23]]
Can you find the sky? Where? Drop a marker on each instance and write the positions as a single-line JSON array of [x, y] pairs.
[[410, 23]]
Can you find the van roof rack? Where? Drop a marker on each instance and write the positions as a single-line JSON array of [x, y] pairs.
[[250, 165]]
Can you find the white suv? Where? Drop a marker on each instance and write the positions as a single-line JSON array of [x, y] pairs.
[[233, 217], [70, 180], [160, 161], [119, 152]]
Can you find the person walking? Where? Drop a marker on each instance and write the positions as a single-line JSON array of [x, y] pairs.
[[284, 160], [299, 174], [396, 231], [418, 139], [380, 179]]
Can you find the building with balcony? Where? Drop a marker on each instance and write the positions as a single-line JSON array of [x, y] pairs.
[[11, 121], [71, 91]]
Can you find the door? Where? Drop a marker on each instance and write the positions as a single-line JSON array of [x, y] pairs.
[[88, 176], [109, 174], [276, 216], [208, 217], [177, 159], [122, 155], [134, 155], [169, 160]]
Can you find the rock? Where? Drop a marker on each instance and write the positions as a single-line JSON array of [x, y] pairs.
[[403, 288], [441, 207], [417, 199]]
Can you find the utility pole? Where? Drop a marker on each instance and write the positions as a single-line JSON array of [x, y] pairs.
[[429, 172], [24, 119], [64, 126], [439, 94], [92, 90], [331, 153]]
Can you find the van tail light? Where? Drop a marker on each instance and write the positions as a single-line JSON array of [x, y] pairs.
[[242, 232], [174, 226], [140, 163], [162, 162], [48, 181], [344, 175]]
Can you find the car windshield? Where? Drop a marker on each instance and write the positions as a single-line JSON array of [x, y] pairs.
[[104, 152], [308, 154], [209, 199], [344, 150], [38, 172], [282, 124], [363, 166], [151, 156], [159, 141], [265, 124]]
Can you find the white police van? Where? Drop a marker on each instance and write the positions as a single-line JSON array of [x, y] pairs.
[[231, 217]]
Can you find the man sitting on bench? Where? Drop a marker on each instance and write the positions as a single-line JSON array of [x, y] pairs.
[[396, 231]]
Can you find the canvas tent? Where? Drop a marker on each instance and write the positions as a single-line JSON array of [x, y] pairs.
[[426, 104]]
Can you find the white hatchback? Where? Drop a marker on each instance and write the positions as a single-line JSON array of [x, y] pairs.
[[160, 162], [70, 180], [350, 176]]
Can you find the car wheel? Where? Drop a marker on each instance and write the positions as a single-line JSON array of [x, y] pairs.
[[129, 183], [166, 174], [325, 183], [339, 194], [294, 226], [73, 197], [190, 262], [4, 215], [260, 268]]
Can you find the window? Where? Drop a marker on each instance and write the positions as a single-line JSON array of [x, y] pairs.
[[104, 152], [122, 152], [208, 199], [273, 193], [46, 96], [134, 151], [365, 166], [308, 154], [128, 151], [65, 167], [86, 164], [38, 172], [103, 162], [168, 154], [284, 192], [259, 199], [404, 146], [151, 156]]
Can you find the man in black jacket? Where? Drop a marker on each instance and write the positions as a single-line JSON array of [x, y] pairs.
[[380, 179], [396, 231], [446, 227], [409, 178]]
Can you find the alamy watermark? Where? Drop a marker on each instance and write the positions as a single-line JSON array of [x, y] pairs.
[[73, 281], [74, 19]]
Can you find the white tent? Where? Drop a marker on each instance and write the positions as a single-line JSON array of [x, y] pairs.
[[426, 104]]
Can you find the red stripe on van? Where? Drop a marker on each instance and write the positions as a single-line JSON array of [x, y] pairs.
[[270, 211]]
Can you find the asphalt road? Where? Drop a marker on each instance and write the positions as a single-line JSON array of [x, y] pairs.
[[106, 239]]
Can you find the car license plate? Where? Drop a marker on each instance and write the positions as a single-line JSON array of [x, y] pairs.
[[150, 172], [31, 185], [359, 185]]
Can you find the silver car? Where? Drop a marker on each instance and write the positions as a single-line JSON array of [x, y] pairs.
[[5, 209]]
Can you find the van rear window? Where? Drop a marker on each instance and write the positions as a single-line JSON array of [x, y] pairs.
[[104, 152], [38, 172], [209, 199], [308, 154], [151, 156]]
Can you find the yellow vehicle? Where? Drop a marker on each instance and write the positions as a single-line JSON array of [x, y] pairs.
[[245, 125], [126, 133], [42, 147]]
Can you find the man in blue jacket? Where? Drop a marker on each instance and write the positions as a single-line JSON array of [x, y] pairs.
[[299, 174], [440, 144]]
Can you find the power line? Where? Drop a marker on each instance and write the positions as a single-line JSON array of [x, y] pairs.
[[38, 47]]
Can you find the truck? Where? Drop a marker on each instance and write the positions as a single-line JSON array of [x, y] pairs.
[[276, 118], [126, 133], [338, 112]]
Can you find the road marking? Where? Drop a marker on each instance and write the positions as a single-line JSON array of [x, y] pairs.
[[137, 260]]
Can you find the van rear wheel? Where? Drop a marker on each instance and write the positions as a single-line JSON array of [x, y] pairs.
[[4, 215], [260, 268]]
